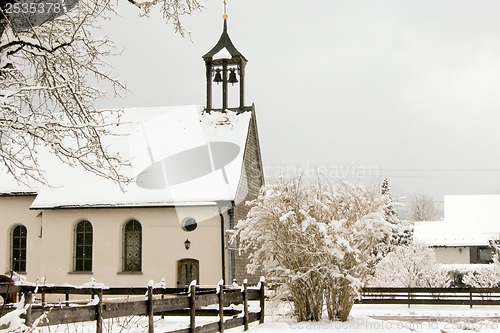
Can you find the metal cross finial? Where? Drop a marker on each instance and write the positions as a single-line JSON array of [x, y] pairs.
[[225, 10]]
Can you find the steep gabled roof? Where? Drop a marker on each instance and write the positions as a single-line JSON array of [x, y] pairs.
[[179, 156]]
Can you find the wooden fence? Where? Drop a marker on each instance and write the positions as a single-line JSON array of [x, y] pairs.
[[445, 296], [154, 301]]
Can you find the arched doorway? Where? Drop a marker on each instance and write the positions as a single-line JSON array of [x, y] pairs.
[[187, 271]]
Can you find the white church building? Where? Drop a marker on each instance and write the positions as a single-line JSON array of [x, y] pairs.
[[194, 168]]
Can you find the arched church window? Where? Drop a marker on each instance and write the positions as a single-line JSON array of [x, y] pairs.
[[132, 246], [18, 248], [83, 247]]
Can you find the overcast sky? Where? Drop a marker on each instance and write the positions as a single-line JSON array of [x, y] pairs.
[[409, 90]]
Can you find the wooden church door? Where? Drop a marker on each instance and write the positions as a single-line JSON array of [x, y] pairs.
[[187, 271]]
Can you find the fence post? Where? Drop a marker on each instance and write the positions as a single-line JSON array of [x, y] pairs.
[[262, 300], [151, 327], [7, 293], [220, 288], [162, 298], [192, 308], [470, 305], [27, 301], [245, 305], [99, 312]]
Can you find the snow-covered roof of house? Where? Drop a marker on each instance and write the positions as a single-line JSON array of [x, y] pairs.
[[179, 156], [441, 233], [469, 220]]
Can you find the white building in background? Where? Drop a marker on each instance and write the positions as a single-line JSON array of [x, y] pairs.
[[463, 237]]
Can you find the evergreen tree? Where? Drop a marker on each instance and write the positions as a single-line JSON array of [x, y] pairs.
[[391, 215], [402, 231]]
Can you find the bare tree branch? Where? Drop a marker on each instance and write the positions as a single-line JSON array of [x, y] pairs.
[[423, 208], [48, 89]]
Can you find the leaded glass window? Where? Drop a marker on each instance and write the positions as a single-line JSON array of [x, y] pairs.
[[132, 246], [83, 247], [19, 246]]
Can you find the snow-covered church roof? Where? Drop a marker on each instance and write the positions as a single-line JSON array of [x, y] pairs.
[[469, 220], [179, 156]]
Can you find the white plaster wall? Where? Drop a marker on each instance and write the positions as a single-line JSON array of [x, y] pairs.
[[452, 255], [162, 240]]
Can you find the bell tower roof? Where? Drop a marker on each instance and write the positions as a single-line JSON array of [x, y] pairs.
[[223, 48], [225, 64]]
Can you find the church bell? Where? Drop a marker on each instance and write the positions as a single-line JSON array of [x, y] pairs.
[[232, 76], [218, 76]]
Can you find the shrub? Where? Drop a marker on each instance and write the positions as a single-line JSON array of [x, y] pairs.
[[316, 240], [412, 265]]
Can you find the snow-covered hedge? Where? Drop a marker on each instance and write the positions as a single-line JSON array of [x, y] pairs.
[[473, 275]]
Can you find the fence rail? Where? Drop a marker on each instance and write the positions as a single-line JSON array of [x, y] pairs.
[[444, 296], [156, 301]]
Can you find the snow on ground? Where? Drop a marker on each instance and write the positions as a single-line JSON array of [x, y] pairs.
[[397, 318]]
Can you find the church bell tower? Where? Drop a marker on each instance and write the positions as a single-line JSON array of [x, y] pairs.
[[225, 64]]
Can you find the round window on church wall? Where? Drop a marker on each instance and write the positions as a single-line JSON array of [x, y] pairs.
[[189, 224]]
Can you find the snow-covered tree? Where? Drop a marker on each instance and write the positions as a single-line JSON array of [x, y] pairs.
[[48, 72], [412, 265], [316, 240], [401, 230], [391, 215], [423, 208], [495, 246]]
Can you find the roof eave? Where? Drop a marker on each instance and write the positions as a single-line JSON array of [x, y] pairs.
[[18, 194], [126, 206]]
